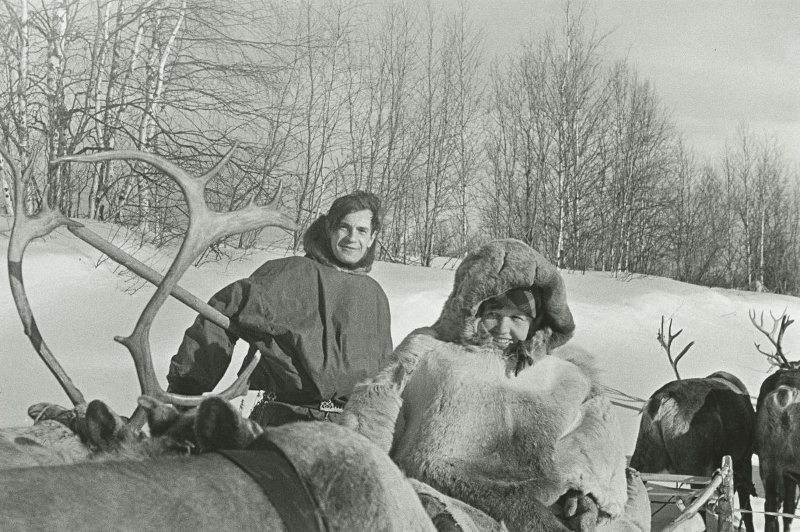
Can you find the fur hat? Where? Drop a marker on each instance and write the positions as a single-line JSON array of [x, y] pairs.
[[494, 269]]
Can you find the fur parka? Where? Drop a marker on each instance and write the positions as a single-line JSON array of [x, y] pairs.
[[454, 413]]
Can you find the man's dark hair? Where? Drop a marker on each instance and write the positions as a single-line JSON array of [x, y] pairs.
[[356, 201]]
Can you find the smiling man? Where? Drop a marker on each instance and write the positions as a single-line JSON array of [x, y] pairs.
[[352, 237], [320, 322]]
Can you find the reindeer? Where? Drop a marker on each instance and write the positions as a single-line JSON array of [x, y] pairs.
[[688, 425], [348, 483], [778, 426], [157, 482]]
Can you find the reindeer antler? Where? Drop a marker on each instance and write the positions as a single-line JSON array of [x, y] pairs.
[[205, 228], [775, 336], [26, 228], [667, 345]]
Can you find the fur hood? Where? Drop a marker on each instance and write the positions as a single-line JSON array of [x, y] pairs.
[[494, 269], [318, 247]]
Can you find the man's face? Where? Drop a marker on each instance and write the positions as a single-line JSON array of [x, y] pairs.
[[506, 325], [352, 238]]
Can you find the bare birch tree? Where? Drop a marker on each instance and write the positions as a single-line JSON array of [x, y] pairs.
[[15, 121], [468, 94]]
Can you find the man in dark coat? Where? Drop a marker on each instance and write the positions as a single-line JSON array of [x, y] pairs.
[[320, 322]]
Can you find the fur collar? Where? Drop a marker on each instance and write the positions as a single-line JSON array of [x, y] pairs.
[[494, 269], [537, 347], [317, 246]]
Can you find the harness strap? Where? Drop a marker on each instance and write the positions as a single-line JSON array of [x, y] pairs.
[[277, 477], [729, 384]]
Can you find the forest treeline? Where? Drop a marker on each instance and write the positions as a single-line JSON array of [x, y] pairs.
[[557, 143]]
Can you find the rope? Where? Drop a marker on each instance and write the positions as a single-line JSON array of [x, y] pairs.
[[622, 399], [776, 514], [626, 405]]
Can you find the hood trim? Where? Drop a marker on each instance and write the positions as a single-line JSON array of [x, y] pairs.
[[493, 269]]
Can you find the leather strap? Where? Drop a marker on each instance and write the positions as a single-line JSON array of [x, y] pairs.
[[281, 483]]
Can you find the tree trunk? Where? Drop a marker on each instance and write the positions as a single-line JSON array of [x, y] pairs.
[[8, 201], [760, 280]]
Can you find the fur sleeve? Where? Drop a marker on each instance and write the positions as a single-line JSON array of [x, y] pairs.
[[374, 406], [593, 459], [585, 361]]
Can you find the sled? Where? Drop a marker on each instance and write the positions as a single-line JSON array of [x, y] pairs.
[[674, 502], [666, 486]]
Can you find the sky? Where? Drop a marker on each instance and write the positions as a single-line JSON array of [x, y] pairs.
[[81, 304], [715, 65]]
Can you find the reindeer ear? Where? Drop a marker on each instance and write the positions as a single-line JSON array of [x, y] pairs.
[[217, 425], [102, 428], [161, 417]]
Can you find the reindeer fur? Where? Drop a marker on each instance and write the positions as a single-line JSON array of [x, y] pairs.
[[356, 485], [46, 443], [688, 425], [778, 443], [96, 433]]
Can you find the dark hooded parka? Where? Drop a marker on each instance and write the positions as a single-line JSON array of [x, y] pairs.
[[320, 328], [463, 415]]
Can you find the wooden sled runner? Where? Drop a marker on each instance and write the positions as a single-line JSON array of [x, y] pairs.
[[674, 502]]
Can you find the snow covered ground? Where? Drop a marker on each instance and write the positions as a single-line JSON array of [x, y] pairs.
[[81, 305]]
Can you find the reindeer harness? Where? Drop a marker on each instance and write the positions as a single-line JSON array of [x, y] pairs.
[[276, 475]]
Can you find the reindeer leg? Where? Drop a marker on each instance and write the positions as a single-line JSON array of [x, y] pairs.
[[744, 504], [743, 483], [789, 501], [772, 486]]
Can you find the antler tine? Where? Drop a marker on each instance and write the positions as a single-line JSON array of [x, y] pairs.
[[784, 321], [26, 228], [211, 174], [178, 174], [772, 359], [205, 228], [667, 345], [683, 352], [660, 334], [276, 197], [760, 324], [775, 336]]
